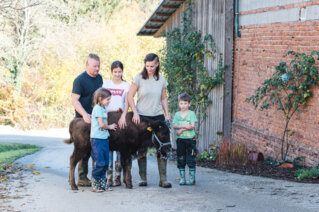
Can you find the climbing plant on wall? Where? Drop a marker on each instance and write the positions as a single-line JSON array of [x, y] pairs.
[[183, 64], [288, 89]]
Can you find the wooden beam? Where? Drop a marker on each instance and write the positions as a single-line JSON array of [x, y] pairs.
[[170, 6], [228, 61], [146, 33], [164, 14], [157, 21], [152, 27]]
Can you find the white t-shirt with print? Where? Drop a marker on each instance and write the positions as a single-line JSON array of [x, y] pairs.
[[118, 94]]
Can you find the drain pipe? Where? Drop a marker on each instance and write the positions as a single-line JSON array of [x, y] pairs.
[[237, 18]]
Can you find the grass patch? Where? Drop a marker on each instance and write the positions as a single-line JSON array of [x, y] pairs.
[[11, 152]]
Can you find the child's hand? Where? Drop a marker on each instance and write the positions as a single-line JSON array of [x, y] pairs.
[[189, 127], [179, 132], [112, 126]]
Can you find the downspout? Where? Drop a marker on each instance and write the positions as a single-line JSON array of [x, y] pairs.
[[237, 18]]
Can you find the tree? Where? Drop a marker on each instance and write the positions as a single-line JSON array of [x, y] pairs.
[[19, 33], [183, 64], [288, 89]]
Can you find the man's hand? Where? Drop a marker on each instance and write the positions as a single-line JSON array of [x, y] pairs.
[[87, 118]]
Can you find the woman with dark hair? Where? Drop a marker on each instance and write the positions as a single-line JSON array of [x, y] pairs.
[[119, 88], [150, 87]]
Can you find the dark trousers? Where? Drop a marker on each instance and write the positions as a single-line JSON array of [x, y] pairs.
[[186, 153], [100, 156], [155, 118]]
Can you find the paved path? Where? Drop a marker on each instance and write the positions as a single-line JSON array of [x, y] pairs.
[[214, 191]]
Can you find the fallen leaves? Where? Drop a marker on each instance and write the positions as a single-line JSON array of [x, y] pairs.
[[29, 166], [4, 178], [36, 173]]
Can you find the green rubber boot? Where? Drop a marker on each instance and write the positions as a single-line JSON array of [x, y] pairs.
[[191, 181], [109, 177], [142, 164], [82, 172], [162, 166], [182, 180]]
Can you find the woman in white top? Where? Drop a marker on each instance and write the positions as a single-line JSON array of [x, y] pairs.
[[150, 87], [119, 88]]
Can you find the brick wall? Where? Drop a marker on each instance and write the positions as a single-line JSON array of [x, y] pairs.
[[261, 47]]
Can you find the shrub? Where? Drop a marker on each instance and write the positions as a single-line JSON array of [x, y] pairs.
[[289, 89], [307, 173], [230, 153], [207, 156]]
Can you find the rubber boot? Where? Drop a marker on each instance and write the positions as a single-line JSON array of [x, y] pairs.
[[162, 164], [182, 174], [142, 170], [118, 171], [191, 181], [82, 172], [109, 177], [96, 185]]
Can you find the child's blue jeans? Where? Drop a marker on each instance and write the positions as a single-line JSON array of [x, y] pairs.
[[100, 156]]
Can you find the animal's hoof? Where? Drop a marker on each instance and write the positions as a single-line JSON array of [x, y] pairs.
[[74, 187], [129, 186], [143, 183], [84, 182], [165, 184]]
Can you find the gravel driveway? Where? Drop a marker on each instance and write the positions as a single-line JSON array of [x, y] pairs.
[[214, 191]]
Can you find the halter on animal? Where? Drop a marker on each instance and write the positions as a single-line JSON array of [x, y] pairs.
[[161, 144]]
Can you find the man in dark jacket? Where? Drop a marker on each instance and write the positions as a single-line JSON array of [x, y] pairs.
[[83, 90]]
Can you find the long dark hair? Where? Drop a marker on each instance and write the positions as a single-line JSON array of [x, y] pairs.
[[149, 58], [117, 64]]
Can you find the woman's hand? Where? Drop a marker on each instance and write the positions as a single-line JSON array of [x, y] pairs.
[[136, 119], [122, 122], [167, 117], [112, 127]]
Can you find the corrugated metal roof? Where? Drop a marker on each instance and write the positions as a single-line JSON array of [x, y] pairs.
[[160, 16]]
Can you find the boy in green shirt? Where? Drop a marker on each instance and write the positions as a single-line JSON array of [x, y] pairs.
[[184, 123]]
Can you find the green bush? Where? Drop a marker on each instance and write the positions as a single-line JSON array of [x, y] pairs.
[[307, 173]]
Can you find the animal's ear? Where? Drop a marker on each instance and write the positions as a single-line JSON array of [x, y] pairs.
[[155, 124]]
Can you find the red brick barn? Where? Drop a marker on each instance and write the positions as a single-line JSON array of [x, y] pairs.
[[268, 29]]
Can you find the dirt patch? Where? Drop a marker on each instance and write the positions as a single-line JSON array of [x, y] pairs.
[[260, 169]]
